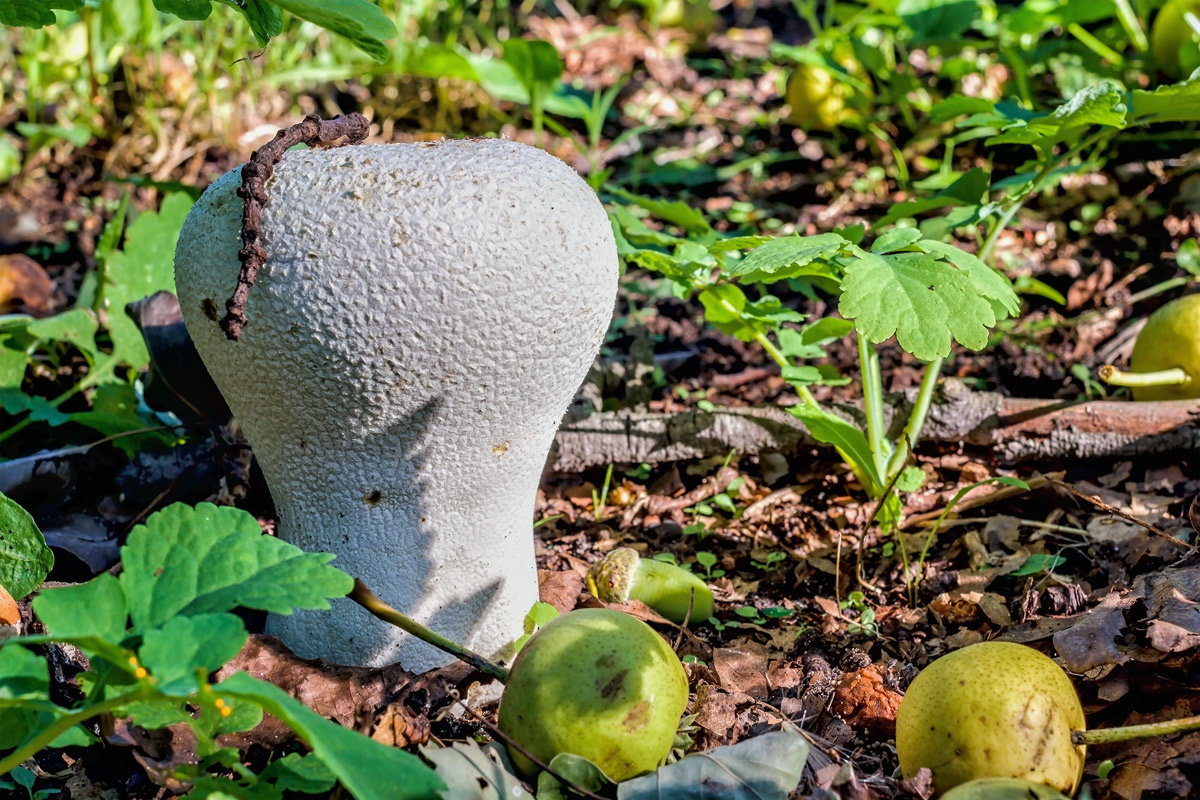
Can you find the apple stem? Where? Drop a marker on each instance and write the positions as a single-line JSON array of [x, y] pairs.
[[1166, 377], [1127, 732], [367, 599]]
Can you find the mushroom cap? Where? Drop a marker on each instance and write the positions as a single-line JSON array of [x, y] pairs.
[[424, 317]]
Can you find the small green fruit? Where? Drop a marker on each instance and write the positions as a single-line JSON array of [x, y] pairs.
[[1170, 339], [1002, 789], [668, 589], [597, 683], [1170, 32], [993, 709], [823, 99]]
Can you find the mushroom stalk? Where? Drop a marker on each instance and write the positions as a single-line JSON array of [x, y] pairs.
[[422, 318]]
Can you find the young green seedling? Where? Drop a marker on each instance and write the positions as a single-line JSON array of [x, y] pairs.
[[674, 592], [594, 682], [1165, 364], [423, 316]]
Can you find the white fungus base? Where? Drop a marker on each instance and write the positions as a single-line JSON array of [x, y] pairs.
[[424, 318]]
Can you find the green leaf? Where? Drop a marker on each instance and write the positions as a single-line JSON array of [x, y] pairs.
[[306, 774], [264, 19], [969, 189], [825, 330], [77, 327], [989, 282], [1179, 102], [40, 409], [433, 60], [360, 21], [921, 299], [764, 767], [938, 20], [1037, 563], [786, 257], [175, 650], [845, 436], [116, 410], [24, 677], [368, 769], [536, 63], [687, 217], [911, 479], [194, 10], [637, 231], [895, 240], [96, 608], [143, 267], [24, 557], [159, 713], [206, 559], [1187, 257], [474, 772], [958, 105], [1099, 104], [576, 771], [34, 13]]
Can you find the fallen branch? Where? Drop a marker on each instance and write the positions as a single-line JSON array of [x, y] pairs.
[[1018, 429]]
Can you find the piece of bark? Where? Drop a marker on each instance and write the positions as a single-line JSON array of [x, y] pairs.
[[1019, 429]]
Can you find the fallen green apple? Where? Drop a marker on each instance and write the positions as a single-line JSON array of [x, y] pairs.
[[991, 710], [1165, 363], [671, 590], [597, 683], [1002, 789]]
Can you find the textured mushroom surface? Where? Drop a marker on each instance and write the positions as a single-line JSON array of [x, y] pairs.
[[425, 315]]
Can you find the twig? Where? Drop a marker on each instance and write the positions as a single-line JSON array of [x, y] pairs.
[[313, 131], [495, 732], [367, 599], [1098, 503]]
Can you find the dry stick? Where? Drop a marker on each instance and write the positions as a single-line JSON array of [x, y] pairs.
[[496, 733], [1096, 501], [313, 131], [367, 599]]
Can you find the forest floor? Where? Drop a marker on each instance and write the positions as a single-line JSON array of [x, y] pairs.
[[821, 619]]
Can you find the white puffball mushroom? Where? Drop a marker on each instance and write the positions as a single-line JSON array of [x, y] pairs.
[[424, 317]]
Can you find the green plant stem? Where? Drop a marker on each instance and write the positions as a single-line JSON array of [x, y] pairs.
[[1128, 732], [872, 388], [1159, 288], [916, 420], [1133, 27], [1164, 377], [1095, 45], [367, 599], [65, 723]]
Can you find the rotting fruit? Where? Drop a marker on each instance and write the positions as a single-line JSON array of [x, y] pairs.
[[992, 709], [670, 590], [1165, 364], [599, 684]]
